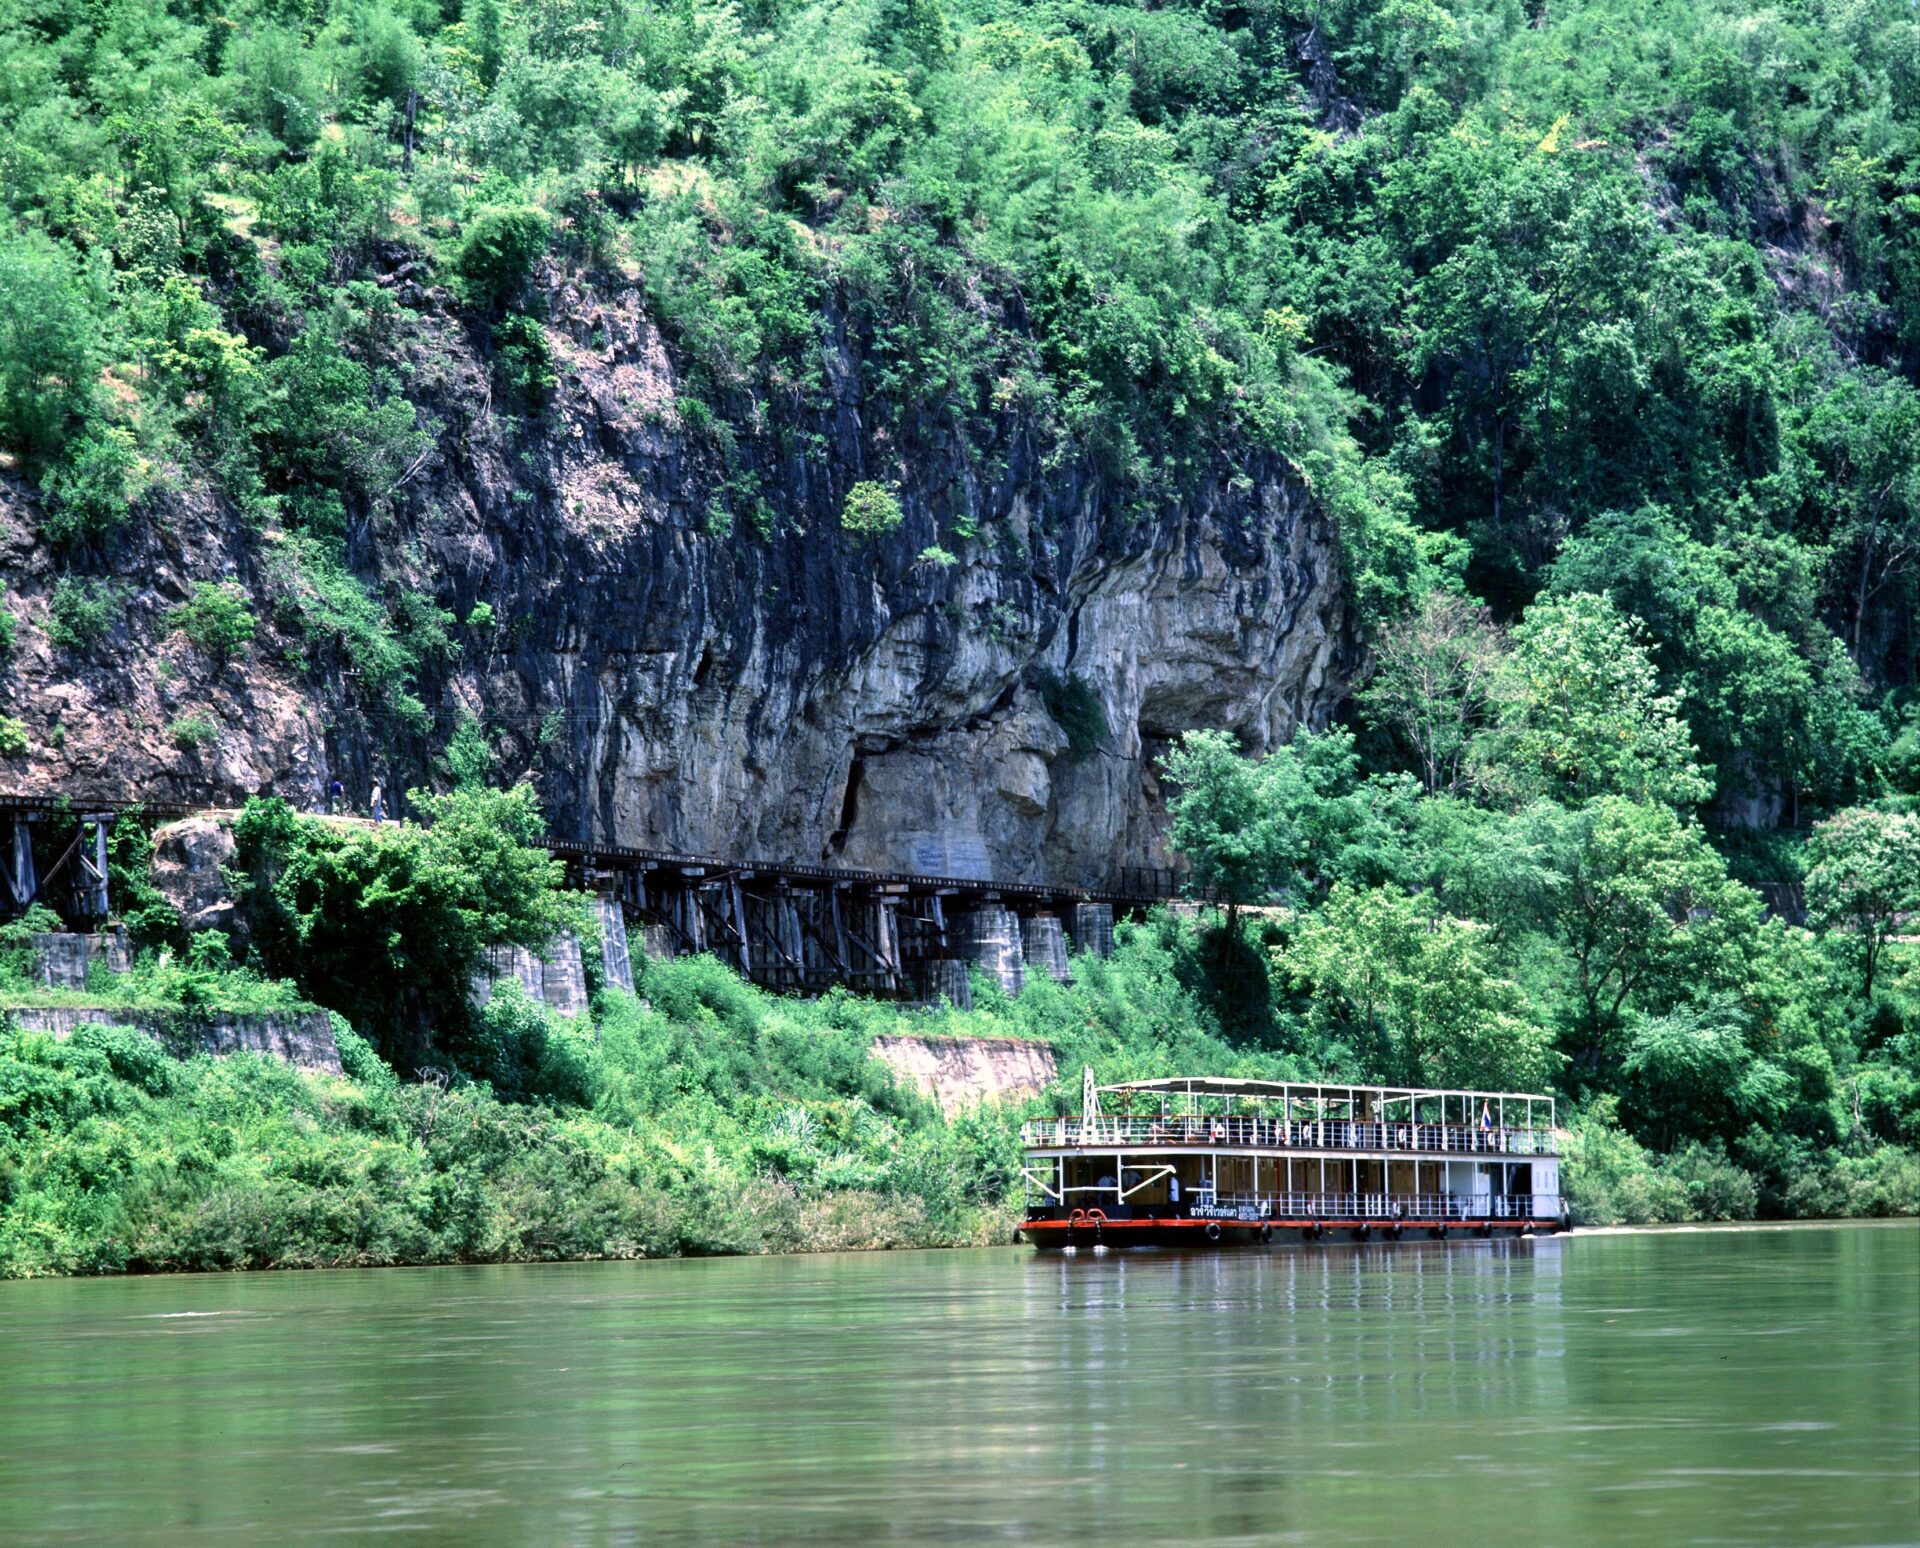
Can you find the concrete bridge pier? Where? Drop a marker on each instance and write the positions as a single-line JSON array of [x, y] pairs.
[[616, 963], [991, 937], [1092, 928], [947, 979], [1043, 945]]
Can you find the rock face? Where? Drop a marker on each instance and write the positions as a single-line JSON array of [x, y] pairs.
[[957, 1071], [187, 861], [682, 665]]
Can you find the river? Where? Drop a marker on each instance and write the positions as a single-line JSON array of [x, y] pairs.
[[1711, 1386]]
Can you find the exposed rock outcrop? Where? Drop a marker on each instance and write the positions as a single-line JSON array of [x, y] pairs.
[[189, 858], [957, 1071], [683, 665]]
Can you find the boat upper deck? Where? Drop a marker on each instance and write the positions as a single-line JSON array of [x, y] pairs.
[[1277, 1135], [1212, 1112]]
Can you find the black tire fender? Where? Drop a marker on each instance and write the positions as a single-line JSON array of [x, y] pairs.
[[1212, 1231]]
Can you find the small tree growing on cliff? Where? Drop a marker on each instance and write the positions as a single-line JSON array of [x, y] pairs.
[[216, 618], [497, 254], [871, 511]]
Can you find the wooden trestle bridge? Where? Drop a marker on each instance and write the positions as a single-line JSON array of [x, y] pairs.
[[792, 927]]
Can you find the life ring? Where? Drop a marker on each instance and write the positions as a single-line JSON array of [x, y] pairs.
[[1212, 1231]]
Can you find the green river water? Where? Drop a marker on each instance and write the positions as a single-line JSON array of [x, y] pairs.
[[1715, 1386]]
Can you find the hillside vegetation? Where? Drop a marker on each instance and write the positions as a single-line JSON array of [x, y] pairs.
[[1594, 326], [1603, 297]]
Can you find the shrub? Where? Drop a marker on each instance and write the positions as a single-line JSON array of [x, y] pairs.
[[938, 557], [871, 510], [82, 612], [519, 1048], [1884, 1182], [316, 595], [1716, 1189], [523, 375], [13, 737], [497, 254], [469, 755], [90, 492], [216, 618], [194, 730]]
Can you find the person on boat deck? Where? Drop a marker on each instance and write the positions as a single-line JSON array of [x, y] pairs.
[[1486, 1125]]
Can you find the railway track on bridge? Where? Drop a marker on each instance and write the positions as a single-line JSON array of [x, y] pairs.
[[788, 926]]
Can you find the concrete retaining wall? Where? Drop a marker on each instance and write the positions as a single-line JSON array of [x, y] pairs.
[[302, 1038], [559, 978], [62, 960]]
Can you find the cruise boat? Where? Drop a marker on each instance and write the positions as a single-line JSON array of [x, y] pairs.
[[1206, 1161]]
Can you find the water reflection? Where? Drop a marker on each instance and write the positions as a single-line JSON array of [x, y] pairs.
[[1726, 1387]]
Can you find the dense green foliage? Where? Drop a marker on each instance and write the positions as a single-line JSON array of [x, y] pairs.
[[1713, 1067], [388, 924], [1555, 918], [703, 1116], [1594, 329], [1609, 301]]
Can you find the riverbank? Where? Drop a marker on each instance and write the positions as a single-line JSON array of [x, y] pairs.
[[700, 1117]]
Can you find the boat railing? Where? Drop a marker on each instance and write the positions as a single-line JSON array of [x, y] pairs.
[[1278, 1134], [1381, 1206]]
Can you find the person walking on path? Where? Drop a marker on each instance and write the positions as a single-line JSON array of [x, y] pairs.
[[379, 803], [334, 797]]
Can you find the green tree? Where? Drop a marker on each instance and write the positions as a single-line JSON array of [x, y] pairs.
[[1648, 916], [1294, 822], [1221, 820], [1581, 714], [90, 490], [497, 254], [1420, 996], [1690, 1074], [1865, 874], [1433, 682], [336, 423], [390, 924], [50, 345]]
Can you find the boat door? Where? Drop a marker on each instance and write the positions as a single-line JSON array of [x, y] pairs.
[[1482, 1193]]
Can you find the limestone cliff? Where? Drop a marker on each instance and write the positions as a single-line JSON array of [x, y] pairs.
[[680, 668]]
